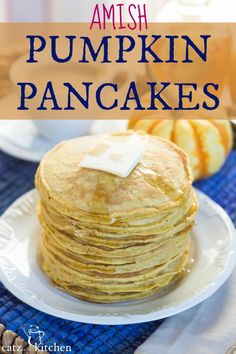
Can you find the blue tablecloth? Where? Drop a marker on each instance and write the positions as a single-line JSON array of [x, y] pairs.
[[17, 177]]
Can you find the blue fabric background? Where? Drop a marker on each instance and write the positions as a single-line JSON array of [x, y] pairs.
[[16, 178]]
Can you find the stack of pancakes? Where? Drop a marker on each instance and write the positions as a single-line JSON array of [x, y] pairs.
[[107, 238]]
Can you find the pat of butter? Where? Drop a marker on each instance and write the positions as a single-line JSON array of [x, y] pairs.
[[114, 157]]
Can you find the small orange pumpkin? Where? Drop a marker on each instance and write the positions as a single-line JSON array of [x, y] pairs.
[[206, 141]]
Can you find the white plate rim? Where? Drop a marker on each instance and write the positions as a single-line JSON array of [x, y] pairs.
[[17, 151], [116, 319]]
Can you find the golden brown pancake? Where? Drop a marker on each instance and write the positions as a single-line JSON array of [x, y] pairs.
[[107, 238]]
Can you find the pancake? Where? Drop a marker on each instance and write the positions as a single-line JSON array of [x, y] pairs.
[[106, 238], [158, 181]]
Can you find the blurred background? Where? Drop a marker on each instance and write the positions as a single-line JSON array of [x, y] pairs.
[[28, 139]]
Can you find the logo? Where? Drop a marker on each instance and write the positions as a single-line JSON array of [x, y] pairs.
[[34, 334], [35, 337]]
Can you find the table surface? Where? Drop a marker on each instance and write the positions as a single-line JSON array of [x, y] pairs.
[[16, 178]]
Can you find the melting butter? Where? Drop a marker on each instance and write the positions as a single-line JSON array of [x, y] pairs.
[[116, 156], [98, 149]]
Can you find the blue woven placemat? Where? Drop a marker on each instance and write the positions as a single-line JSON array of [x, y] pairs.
[[17, 177]]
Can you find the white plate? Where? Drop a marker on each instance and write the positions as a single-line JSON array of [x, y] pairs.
[[20, 138], [214, 245]]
